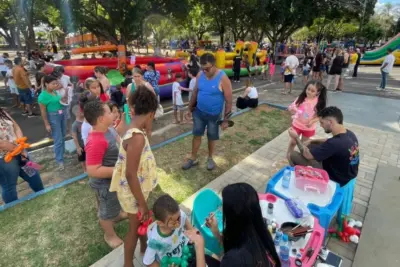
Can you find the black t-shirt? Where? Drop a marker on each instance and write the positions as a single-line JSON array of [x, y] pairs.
[[236, 62], [339, 156], [55, 49], [239, 258]]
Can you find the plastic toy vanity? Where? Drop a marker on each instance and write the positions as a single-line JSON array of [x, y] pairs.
[[307, 247], [323, 202]]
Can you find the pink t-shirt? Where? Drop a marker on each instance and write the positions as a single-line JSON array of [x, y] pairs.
[[304, 113]]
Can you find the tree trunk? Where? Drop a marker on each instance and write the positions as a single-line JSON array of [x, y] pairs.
[[221, 34]]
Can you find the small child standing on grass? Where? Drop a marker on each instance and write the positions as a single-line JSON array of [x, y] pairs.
[[193, 78], [271, 69], [101, 156], [133, 182], [77, 136], [264, 71], [177, 99], [166, 235]]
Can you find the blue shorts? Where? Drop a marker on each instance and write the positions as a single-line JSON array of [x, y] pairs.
[[25, 95], [201, 120]]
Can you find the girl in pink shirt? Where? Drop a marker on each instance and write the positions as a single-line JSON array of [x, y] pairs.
[[305, 109], [271, 69]]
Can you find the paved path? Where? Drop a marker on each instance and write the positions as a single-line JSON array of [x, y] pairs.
[[376, 147]]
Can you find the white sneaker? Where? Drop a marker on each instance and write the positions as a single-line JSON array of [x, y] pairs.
[[61, 167], [379, 89]]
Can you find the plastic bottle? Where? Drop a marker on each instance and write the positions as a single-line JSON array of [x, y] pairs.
[[286, 178], [278, 237], [284, 250]]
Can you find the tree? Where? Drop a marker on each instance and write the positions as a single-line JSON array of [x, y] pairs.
[[372, 32], [302, 34], [198, 22], [387, 17], [160, 28]]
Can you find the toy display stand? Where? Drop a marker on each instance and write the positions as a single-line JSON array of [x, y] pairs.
[[311, 241], [322, 206]]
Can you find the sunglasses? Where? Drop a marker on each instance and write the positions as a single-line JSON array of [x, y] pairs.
[[207, 69]]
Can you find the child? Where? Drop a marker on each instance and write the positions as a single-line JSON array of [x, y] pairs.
[[100, 73], [306, 69], [271, 69], [116, 114], [66, 89], [84, 98], [11, 83], [101, 157], [118, 97], [192, 74], [96, 88], [76, 135], [282, 71], [166, 236], [304, 110], [264, 71], [177, 99], [133, 182]]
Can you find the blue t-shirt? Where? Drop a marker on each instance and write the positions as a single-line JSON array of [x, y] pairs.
[[339, 156], [210, 96]]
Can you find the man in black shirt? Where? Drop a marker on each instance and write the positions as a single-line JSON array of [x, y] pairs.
[[338, 156], [357, 62], [237, 61]]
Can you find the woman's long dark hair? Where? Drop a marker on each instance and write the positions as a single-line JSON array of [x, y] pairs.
[[3, 115], [244, 227], [321, 97]]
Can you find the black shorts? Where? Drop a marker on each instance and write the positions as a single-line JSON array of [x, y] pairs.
[[82, 157], [289, 78]]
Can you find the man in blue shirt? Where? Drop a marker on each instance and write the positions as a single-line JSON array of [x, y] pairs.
[[338, 156], [212, 92]]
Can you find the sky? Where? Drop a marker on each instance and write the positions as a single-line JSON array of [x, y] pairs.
[[381, 2]]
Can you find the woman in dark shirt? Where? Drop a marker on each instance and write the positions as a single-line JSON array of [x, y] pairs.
[[336, 69], [317, 66], [246, 240]]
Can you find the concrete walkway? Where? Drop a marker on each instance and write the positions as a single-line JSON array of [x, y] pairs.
[[376, 147]]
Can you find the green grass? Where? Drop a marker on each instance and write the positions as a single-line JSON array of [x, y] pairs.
[[60, 228]]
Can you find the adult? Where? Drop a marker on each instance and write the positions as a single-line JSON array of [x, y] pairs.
[[386, 68], [152, 76], [39, 76], [213, 89], [249, 98], [53, 116], [137, 79], [237, 63], [335, 70], [10, 171], [245, 238], [21, 79], [317, 66], [291, 64], [345, 70], [355, 72], [339, 155]]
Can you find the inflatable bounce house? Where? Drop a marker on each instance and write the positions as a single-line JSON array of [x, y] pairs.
[[377, 56], [84, 68], [224, 60]]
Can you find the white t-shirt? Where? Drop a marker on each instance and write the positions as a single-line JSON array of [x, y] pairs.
[[11, 82], [192, 85], [390, 62], [85, 130], [253, 93], [65, 80], [292, 62], [2, 66], [176, 94], [159, 245]]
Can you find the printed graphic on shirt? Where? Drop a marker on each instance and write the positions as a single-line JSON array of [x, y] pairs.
[[354, 154]]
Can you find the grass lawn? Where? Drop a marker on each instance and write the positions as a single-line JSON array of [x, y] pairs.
[[60, 228]]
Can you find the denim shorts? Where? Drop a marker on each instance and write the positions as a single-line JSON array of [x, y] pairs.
[[109, 207], [201, 120], [25, 95]]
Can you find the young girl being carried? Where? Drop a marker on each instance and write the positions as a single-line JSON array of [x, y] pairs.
[[100, 73], [305, 109], [133, 182]]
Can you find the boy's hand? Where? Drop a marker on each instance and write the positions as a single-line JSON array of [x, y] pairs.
[[48, 127], [79, 150]]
